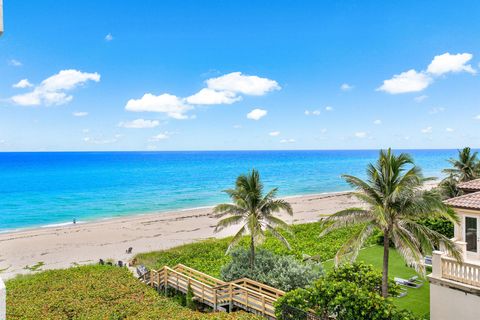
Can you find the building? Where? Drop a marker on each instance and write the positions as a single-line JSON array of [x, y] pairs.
[[455, 286]]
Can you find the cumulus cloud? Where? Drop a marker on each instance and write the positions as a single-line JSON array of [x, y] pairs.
[[139, 124], [237, 82], [274, 133], [15, 63], [449, 129], [409, 81], [420, 98], [287, 141], [108, 37], [427, 130], [52, 91], [208, 96], [447, 62], [24, 83], [346, 87], [160, 136], [80, 114], [100, 141], [477, 117], [257, 114], [377, 122], [312, 113], [328, 108], [171, 105], [414, 81], [361, 134]]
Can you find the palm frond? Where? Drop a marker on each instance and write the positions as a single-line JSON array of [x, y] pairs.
[[227, 222]]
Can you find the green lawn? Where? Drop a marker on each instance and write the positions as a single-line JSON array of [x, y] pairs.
[[416, 300]]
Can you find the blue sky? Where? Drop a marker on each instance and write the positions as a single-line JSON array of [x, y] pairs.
[[221, 75]]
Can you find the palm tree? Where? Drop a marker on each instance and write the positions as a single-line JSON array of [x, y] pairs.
[[254, 211], [394, 200], [466, 167], [448, 187]]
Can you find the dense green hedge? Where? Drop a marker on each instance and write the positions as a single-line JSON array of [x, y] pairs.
[[95, 292], [349, 292]]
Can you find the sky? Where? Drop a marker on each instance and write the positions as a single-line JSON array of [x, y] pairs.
[[239, 75]]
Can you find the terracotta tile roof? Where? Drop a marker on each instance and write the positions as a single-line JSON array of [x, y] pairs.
[[468, 201], [470, 185]]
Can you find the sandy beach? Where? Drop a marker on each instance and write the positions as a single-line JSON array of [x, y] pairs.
[[86, 243]]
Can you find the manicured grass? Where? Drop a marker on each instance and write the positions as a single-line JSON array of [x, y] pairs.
[[95, 292], [209, 256], [416, 300]]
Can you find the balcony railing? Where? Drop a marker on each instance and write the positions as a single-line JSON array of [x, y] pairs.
[[445, 267]]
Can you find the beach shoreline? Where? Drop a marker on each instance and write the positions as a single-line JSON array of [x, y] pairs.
[[64, 246], [85, 243]]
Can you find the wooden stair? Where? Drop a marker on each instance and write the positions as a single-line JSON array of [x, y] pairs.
[[245, 294]]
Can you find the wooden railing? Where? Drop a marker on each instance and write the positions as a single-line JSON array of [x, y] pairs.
[[246, 294], [463, 272]]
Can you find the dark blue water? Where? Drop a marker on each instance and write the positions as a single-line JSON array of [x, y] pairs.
[[39, 189]]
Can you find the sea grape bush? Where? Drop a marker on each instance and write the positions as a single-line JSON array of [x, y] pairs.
[[341, 295], [283, 272]]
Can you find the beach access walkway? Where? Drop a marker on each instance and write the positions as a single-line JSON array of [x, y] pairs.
[[244, 294]]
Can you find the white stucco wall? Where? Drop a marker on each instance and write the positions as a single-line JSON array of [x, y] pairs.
[[3, 300], [448, 304]]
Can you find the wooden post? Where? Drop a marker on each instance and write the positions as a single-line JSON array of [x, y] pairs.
[[214, 299], [165, 280], [151, 278], [230, 298], [263, 305]]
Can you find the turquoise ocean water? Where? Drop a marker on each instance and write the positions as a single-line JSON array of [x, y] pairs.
[[40, 189]]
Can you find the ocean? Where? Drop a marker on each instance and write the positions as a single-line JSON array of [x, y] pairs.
[[53, 188]]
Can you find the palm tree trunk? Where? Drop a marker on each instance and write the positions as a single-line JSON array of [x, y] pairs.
[[252, 252], [386, 251]]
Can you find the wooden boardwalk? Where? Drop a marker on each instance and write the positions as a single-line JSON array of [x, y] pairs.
[[245, 294]]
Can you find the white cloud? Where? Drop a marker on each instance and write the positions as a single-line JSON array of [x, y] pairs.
[[312, 113], [408, 81], [414, 81], [160, 137], [166, 103], [361, 134], [377, 122], [236, 82], [51, 91], [257, 114], [274, 133], [328, 108], [24, 83], [86, 130], [323, 130], [427, 130], [449, 129], [346, 87], [80, 114], [436, 110], [208, 96], [109, 37], [237, 126], [99, 141], [139, 124], [287, 141], [15, 63], [420, 98], [477, 117], [447, 62]]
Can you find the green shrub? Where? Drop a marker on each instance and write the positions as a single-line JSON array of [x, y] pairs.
[[95, 292], [282, 272], [441, 225], [344, 296]]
